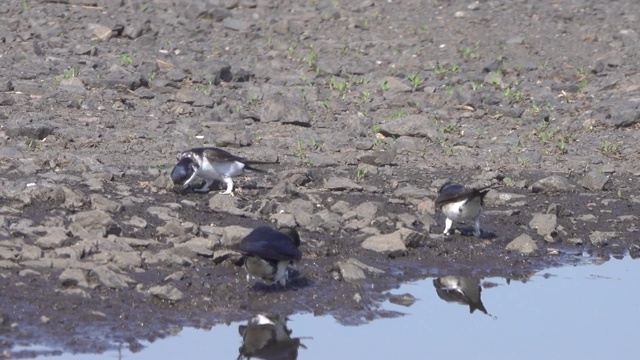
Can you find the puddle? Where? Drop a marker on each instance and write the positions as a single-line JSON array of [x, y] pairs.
[[589, 311]]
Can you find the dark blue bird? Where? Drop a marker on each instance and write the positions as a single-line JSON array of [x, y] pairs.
[[269, 252]]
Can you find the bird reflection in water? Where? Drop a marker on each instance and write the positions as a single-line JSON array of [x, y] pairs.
[[463, 290], [268, 337]]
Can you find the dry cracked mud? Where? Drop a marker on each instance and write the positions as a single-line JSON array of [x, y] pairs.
[[359, 111]]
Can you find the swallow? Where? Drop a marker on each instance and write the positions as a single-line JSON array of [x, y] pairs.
[[210, 164], [269, 252], [268, 337], [459, 203], [463, 290]]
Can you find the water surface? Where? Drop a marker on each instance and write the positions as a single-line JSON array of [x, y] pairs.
[[575, 312]]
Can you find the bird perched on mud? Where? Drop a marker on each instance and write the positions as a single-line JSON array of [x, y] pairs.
[[209, 164], [268, 337], [269, 252], [459, 203]]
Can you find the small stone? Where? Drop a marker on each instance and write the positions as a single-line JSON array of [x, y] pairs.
[[524, 245], [402, 299], [232, 235], [387, 242], [594, 181], [55, 238], [73, 277], [552, 184], [234, 24], [166, 292], [574, 241], [341, 184], [601, 238], [544, 224]]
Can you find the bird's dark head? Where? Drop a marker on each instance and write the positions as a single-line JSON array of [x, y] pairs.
[[292, 233], [183, 170]]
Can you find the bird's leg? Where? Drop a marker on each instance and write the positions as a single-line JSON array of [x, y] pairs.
[[477, 232], [229, 190], [204, 187], [447, 226]]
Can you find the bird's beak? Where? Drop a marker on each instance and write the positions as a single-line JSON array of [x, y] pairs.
[[183, 171]]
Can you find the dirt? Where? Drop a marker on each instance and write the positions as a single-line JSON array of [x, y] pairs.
[[395, 96]]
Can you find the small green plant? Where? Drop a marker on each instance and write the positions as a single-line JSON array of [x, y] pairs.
[[619, 193], [33, 144], [522, 160], [398, 114], [71, 73], [475, 85], [25, 5], [441, 70], [310, 58], [361, 173], [562, 146], [414, 79], [126, 60], [384, 85], [300, 152], [508, 181], [365, 23], [610, 149]]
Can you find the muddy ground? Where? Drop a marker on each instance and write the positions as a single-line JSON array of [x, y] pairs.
[[359, 111]]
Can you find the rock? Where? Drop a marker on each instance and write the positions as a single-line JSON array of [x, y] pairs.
[[55, 238], [601, 238], [353, 270], [285, 110], [322, 160], [103, 275], [99, 32], [166, 292], [412, 192], [524, 245], [172, 228], [234, 24], [594, 181], [387, 242], [97, 222], [232, 235], [284, 219], [31, 252], [341, 184], [366, 212], [551, 184], [544, 224], [413, 125], [379, 158], [574, 241], [327, 220], [137, 221], [126, 260], [229, 205], [99, 202], [402, 299], [176, 276], [73, 277]]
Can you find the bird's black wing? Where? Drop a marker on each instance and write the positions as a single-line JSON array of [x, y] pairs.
[[268, 243], [452, 193]]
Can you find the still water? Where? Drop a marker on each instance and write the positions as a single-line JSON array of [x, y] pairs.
[[576, 312]]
